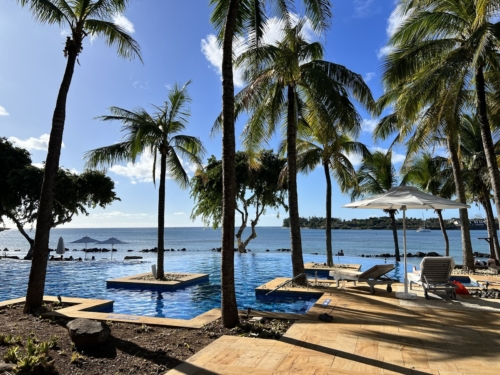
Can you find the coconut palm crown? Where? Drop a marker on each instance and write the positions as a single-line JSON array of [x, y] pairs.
[[289, 83], [84, 18], [157, 134]]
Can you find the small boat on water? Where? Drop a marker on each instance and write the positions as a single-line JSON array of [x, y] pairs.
[[423, 229]]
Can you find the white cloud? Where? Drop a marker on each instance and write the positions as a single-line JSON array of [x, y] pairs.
[[363, 8], [369, 125], [124, 23], [355, 159], [118, 214], [140, 85], [179, 213], [396, 158], [384, 51], [29, 144], [369, 76], [394, 22], [38, 165], [65, 32], [213, 53], [142, 170], [3, 111]]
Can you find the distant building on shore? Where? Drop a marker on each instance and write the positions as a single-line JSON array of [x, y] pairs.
[[475, 223]]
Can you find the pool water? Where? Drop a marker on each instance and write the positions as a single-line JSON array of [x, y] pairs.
[[88, 280]]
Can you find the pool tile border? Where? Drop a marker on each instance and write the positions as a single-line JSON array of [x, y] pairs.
[[80, 306]]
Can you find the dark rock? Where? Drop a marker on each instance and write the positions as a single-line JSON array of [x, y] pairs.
[[132, 257], [129, 250], [85, 332]]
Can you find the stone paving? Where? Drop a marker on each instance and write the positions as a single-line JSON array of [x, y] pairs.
[[370, 334]]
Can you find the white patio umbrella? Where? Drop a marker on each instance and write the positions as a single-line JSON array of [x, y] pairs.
[[403, 198], [60, 247], [113, 241]]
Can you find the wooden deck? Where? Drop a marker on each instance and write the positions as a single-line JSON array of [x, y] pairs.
[[370, 334]]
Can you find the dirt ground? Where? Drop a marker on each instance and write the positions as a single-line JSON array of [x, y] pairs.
[[131, 349]]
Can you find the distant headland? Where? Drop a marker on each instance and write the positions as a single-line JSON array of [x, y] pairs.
[[383, 222]]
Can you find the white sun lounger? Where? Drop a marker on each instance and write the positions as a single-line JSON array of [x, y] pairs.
[[434, 275], [373, 276]]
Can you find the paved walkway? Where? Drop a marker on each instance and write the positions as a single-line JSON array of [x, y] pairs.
[[370, 334]]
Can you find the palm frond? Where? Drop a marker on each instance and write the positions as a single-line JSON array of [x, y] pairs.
[[115, 36]]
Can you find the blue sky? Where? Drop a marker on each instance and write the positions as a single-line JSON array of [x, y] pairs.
[[178, 44]]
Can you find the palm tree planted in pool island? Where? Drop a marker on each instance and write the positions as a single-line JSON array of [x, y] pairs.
[[233, 18], [157, 134], [82, 18]]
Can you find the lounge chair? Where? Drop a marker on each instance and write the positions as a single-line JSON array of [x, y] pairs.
[[373, 276], [434, 275]]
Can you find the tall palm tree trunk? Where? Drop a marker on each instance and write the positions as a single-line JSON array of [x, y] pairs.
[[329, 253], [489, 148], [228, 295], [392, 214], [467, 256], [445, 234], [36, 282], [160, 273], [293, 200], [491, 224]]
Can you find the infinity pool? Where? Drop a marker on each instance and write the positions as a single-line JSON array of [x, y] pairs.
[[88, 280]]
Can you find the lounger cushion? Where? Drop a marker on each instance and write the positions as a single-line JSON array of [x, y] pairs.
[[374, 272]]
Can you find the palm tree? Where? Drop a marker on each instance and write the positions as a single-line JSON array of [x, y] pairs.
[[158, 134], [326, 147], [239, 18], [431, 174], [377, 175], [452, 43], [476, 174], [83, 18], [289, 82]]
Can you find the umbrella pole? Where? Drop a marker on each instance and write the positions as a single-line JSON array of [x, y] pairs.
[[405, 294], [404, 247]]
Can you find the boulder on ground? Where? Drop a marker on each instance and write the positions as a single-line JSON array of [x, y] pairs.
[[85, 332]]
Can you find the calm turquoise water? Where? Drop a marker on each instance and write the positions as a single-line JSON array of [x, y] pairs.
[[88, 278]]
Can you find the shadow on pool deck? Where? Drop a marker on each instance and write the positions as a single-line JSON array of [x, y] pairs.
[[370, 334]]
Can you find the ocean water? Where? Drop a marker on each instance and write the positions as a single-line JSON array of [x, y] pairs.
[[87, 279], [354, 242]]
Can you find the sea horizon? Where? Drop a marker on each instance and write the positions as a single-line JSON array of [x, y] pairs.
[[353, 242]]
